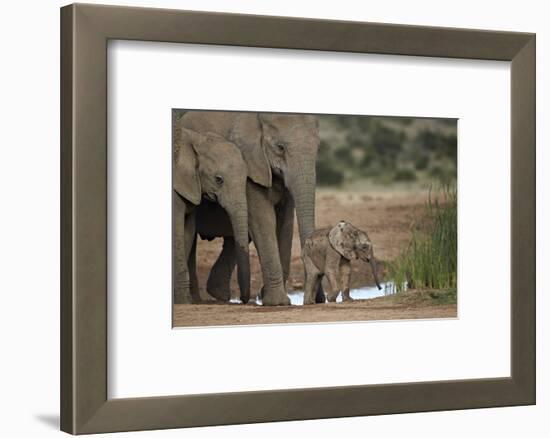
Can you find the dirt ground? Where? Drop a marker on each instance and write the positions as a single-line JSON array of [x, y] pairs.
[[406, 305], [386, 215]]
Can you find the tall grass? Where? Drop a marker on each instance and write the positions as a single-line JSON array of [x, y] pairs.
[[429, 262]]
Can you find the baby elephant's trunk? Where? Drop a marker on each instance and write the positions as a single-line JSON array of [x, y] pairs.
[[375, 272]]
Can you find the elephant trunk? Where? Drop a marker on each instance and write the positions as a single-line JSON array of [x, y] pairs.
[[375, 272], [238, 215], [301, 185]]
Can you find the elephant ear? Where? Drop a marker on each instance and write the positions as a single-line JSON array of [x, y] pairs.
[[341, 238], [186, 166], [247, 134]]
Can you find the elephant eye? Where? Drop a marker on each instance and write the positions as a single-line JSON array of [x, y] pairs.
[[281, 147], [219, 179]]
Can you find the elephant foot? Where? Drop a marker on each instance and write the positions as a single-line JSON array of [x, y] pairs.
[[308, 301], [219, 293], [346, 296], [218, 289], [332, 298], [182, 298], [196, 298], [275, 299]]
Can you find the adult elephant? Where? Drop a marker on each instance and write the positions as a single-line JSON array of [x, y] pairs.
[[198, 174], [280, 151]]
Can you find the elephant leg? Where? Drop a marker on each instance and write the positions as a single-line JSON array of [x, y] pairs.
[[345, 274], [316, 287], [192, 265], [218, 284], [320, 295], [312, 280], [332, 264], [263, 228], [333, 291], [183, 228], [285, 231]]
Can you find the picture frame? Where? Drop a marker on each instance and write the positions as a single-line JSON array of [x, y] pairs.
[[85, 31]]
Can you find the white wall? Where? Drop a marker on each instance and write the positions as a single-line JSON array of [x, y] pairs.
[[29, 220]]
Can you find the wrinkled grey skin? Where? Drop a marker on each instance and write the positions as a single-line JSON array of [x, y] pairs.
[[280, 151], [199, 174], [328, 252]]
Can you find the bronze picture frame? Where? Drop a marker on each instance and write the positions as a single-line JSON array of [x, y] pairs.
[[85, 31]]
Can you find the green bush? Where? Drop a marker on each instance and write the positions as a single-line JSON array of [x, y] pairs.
[[437, 171], [421, 161], [344, 156], [438, 144], [444, 172], [328, 175], [430, 260], [404, 175], [387, 143]]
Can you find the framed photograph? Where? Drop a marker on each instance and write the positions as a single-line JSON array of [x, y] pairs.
[[269, 219], [340, 175]]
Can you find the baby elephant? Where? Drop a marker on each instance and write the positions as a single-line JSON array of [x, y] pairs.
[[329, 252]]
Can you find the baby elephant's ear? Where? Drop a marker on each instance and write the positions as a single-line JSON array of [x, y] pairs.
[[186, 175], [341, 238]]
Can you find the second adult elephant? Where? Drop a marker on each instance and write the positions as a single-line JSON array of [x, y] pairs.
[[280, 151]]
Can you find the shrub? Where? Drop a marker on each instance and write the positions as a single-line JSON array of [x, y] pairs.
[[327, 175], [430, 261], [421, 161], [387, 143], [444, 172], [404, 174], [344, 156]]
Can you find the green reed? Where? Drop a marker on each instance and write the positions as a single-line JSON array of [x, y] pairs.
[[429, 262]]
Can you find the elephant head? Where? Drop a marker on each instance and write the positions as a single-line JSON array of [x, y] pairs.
[[284, 145], [353, 243], [208, 165]]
